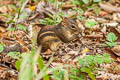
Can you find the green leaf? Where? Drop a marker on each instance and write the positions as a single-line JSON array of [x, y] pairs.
[[110, 44], [89, 58], [24, 54], [91, 75], [79, 11], [86, 1], [1, 47], [41, 66], [80, 61], [42, 21], [10, 21], [13, 6], [90, 24], [40, 62], [97, 60], [87, 70], [111, 37], [4, 15], [26, 68], [17, 64], [76, 2], [58, 75], [97, 11], [11, 29], [81, 18], [21, 27], [96, 0], [15, 55]]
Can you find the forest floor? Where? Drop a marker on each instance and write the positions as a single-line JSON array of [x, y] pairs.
[[100, 34]]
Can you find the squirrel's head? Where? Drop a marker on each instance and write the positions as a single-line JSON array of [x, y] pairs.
[[69, 29], [72, 24]]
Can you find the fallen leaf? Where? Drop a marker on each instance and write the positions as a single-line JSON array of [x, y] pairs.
[[85, 50], [2, 29], [116, 50], [32, 8], [67, 6], [24, 49], [88, 13], [109, 8], [103, 13]]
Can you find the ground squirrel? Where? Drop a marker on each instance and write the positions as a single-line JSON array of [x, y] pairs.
[[51, 36]]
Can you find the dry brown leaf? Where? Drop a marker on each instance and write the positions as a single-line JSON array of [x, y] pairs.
[[95, 36], [24, 49], [103, 77], [6, 2], [20, 41], [88, 13], [6, 9], [32, 8], [108, 50], [109, 8], [67, 6], [2, 29], [116, 50], [114, 68], [103, 13], [85, 50]]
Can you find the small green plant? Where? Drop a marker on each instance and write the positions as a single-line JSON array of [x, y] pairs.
[[79, 12], [81, 2], [86, 4], [89, 65], [21, 27], [111, 38], [58, 74], [76, 2], [54, 19], [47, 21], [27, 65], [10, 21], [76, 74], [96, 9], [18, 57], [1, 47], [90, 1], [4, 15], [11, 29], [81, 18], [15, 55], [90, 24], [31, 63]]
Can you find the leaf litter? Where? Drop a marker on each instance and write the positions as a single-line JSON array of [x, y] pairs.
[[86, 44]]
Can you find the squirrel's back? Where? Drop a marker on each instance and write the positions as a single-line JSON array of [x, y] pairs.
[[48, 38]]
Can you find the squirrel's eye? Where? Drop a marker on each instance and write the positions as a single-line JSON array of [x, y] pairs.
[[73, 26]]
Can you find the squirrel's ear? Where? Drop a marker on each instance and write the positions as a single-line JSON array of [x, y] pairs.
[[64, 21]]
